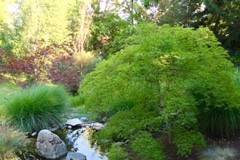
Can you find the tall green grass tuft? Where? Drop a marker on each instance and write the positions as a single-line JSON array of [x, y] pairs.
[[36, 108], [219, 122]]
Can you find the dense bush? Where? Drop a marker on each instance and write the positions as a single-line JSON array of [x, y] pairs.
[[124, 125], [180, 75], [68, 70], [185, 141], [63, 71], [147, 147], [50, 64], [33, 64], [37, 108], [10, 141], [116, 152]]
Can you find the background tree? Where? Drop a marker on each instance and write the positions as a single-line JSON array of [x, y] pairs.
[[108, 34], [6, 34], [222, 17], [3, 12], [43, 22], [80, 17]]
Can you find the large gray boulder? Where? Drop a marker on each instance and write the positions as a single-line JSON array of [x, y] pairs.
[[75, 156], [50, 146]]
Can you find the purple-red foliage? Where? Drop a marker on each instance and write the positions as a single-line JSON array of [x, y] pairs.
[[65, 71], [45, 65]]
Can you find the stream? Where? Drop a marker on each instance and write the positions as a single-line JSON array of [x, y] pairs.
[[77, 138], [80, 140]]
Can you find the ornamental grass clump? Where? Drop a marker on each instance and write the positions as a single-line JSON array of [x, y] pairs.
[[36, 108], [11, 141]]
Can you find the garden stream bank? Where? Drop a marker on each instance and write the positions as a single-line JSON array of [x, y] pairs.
[[71, 142]]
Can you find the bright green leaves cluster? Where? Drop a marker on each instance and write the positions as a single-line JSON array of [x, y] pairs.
[[185, 141], [147, 70], [167, 78], [116, 152], [125, 124], [147, 147]]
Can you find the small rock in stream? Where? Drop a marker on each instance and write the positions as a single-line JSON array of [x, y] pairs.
[[34, 134], [84, 119], [49, 145], [75, 122], [97, 126], [75, 156]]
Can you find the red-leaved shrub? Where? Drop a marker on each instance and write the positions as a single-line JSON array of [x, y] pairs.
[[64, 71], [49, 64]]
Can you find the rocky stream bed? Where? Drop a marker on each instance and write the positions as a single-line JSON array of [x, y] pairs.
[[72, 142]]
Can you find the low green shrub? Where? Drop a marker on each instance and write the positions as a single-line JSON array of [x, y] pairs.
[[187, 141], [123, 125], [37, 108], [116, 152], [146, 147], [11, 141]]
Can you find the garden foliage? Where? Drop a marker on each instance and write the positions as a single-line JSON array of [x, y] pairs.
[[168, 79], [108, 34], [36, 108], [11, 141], [116, 152], [147, 147]]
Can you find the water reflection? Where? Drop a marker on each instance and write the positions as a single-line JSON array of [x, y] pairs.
[[80, 140]]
